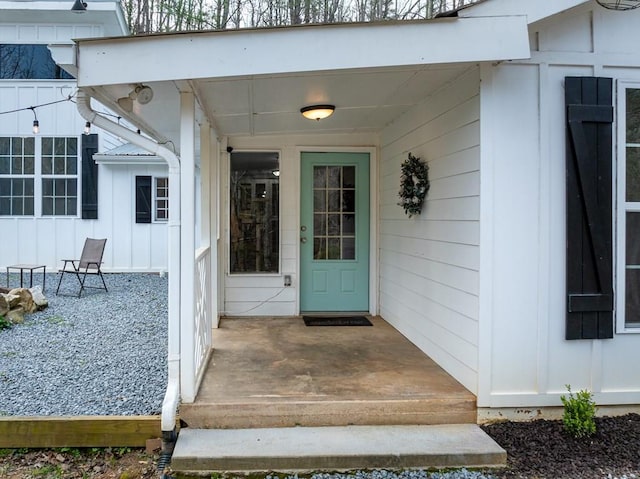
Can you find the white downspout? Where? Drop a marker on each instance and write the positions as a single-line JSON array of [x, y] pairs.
[[172, 395]]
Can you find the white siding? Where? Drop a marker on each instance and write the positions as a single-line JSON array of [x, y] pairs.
[[525, 360], [46, 33], [429, 264], [266, 295], [46, 240]]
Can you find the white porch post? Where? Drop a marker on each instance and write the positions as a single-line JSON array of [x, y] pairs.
[[209, 153], [187, 247]]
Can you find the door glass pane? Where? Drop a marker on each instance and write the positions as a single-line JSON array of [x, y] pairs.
[[319, 224], [348, 248], [320, 177], [333, 228], [334, 176], [334, 206], [334, 200], [319, 248]]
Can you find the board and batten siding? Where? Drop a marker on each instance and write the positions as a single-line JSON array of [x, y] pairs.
[[47, 240], [525, 360], [429, 264]]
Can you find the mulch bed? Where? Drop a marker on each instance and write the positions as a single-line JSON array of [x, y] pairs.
[[543, 450]]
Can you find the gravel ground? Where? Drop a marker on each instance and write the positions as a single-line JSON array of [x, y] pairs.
[[101, 354]]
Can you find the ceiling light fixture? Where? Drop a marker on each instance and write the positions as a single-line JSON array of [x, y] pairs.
[[619, 4], [79, 7], [317, 112]]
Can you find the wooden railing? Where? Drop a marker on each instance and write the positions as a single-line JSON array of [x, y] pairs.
[[202, 310]]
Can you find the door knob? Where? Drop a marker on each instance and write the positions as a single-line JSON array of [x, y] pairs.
[[303, 240]]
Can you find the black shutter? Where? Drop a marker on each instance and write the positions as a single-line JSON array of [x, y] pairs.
[[589, 208], [89, 177], [143, 199]]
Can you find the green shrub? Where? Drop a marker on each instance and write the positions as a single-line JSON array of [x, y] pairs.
[[4, 323], [579, 413]]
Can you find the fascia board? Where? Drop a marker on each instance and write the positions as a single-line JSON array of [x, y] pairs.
[[228, 54], [103, 159], [534, 10]]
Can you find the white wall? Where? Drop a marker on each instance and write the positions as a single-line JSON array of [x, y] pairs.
[[429, 264], [524, 359], [265, 295], [46, 240]]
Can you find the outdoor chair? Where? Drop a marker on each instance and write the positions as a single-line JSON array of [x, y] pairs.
[[88, 264]]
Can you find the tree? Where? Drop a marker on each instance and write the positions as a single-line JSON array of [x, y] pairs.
[[147, 16]]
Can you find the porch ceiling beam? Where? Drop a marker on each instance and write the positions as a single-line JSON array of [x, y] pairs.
[[199, 55]]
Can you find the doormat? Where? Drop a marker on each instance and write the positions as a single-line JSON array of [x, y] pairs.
[[336, 321]]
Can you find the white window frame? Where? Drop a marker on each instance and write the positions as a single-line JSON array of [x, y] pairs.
[[156, 198], [622, 206], [40, 176], [227, 180]]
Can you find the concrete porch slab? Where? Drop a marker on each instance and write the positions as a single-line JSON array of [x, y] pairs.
[[277, 372], [335, 448]]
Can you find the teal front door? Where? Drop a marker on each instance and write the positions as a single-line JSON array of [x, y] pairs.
[[334, 232]]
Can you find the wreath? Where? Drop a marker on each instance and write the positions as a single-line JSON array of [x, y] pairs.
[[414, 185]]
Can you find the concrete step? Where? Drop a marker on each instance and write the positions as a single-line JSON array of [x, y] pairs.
[[267, 413], [298, 449]]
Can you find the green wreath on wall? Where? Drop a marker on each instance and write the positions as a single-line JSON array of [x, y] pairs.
[[414, 185]]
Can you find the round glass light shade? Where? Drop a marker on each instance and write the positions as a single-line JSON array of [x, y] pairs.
[[317, 112]]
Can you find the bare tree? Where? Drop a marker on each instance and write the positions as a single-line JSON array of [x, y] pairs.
[[145, 16]]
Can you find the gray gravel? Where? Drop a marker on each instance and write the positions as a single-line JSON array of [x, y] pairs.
[[101, 354]]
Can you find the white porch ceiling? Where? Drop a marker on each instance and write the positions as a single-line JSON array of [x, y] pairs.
[[253, 83]]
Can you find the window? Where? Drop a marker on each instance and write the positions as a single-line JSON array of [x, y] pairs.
[[152, 198], [254, 212], [59, 176], [17, 169], [38, 176], [162, 199], [29, 62], [628, 301]]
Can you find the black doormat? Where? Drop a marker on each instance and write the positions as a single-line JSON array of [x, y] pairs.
[[336, 321]]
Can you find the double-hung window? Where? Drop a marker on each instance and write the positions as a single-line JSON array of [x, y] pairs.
[[59, 176], [628, 215], [39, 176]]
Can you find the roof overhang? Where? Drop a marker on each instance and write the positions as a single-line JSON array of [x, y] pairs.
[[240, 53], [128, 154], [254, 82]]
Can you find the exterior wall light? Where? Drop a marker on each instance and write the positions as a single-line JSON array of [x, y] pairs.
[[79, 7], [317, 112]]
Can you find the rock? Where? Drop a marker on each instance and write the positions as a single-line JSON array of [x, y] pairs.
[[25, 299], [4, 305], [39, 298], [16, 315]]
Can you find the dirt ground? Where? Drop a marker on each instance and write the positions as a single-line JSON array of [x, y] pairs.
[[74, 463]]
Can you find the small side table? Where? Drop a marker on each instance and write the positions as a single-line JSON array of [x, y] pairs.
[[28, 267]]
